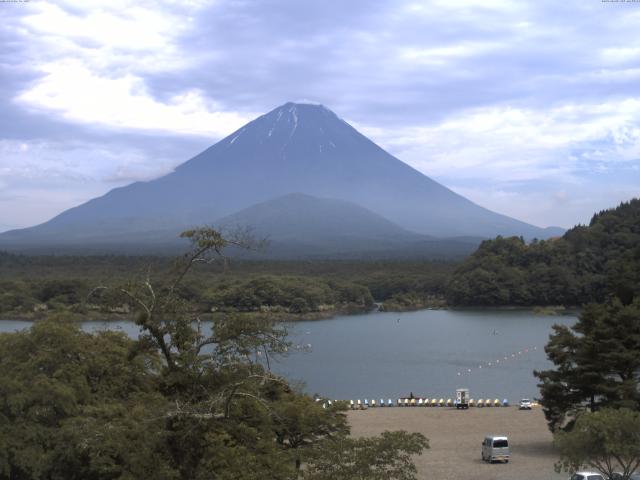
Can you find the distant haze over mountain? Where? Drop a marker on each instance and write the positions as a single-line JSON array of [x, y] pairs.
[[296, 148], [297, 217]]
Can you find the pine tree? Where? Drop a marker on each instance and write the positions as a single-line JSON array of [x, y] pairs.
[[597, 363]]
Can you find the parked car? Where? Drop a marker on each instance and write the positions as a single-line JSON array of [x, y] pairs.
[[525, 404], [586, 476], [494, 448]]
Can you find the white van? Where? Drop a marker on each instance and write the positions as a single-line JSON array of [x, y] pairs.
[[495, 447], [587, 476]]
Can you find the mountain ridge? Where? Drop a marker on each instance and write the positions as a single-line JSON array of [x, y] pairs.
[[294, 148]]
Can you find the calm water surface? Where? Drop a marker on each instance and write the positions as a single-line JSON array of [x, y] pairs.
[[428, 352]]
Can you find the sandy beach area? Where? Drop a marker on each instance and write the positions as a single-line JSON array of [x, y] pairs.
[[455, 438]]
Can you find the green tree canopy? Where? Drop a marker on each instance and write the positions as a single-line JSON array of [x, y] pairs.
[[387, 457], [587, 264], [596, 363], [79, 406], [186, 400], [607, 440]]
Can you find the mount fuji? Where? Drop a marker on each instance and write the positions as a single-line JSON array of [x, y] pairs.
[[300, 149]]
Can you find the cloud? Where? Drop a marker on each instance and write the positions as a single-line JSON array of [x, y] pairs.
[[67, 173], [496, 99], [56, 163], [79, 95], [439, 56], [93, 64], [548, 166], [552, 205], [521, 144]]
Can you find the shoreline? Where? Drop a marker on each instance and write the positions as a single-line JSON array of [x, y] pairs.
[[296, 317], [209, 316]]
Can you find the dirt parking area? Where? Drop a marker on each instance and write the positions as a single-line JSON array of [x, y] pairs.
[[455, 438]]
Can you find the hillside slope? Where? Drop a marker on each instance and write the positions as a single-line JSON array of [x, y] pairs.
[[294, 148], [299, 225], [586, 264]]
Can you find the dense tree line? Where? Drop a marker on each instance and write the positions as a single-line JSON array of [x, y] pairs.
[[296, 294], [31, 285], [179, 402], [587, 264]]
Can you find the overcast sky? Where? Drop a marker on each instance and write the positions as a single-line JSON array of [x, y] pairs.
[[531, 109]]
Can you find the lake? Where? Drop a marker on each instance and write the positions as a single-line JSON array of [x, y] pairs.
[[427, 352]]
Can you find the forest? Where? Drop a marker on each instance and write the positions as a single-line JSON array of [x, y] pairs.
[[36, 286], [179, 403], [587, 264]]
